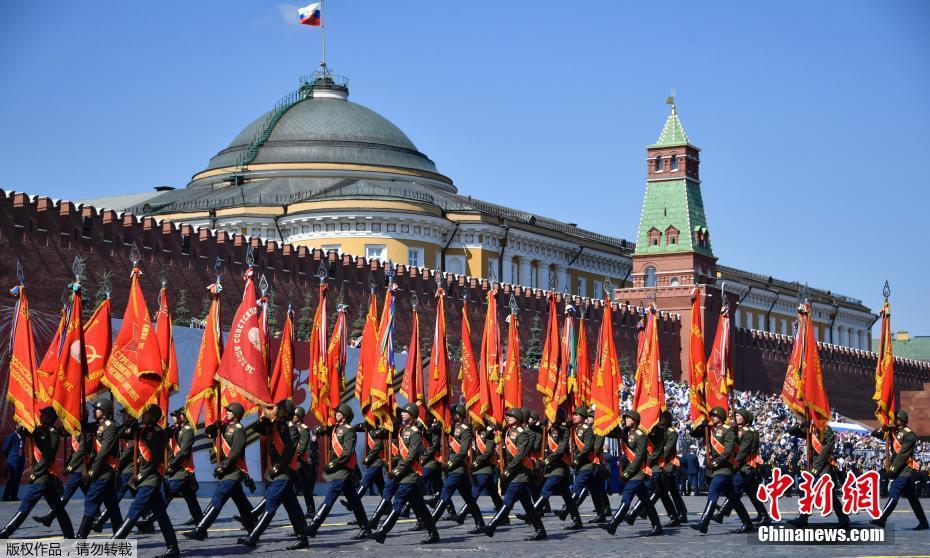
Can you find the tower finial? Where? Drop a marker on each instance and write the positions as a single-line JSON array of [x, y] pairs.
[[670, 100]]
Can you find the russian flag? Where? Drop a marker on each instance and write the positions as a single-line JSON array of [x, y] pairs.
[[311, 15]]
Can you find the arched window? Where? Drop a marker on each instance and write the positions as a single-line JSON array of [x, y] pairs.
[[674, 282], [659, 165], [649, 276], [455, 265], [673, 163]]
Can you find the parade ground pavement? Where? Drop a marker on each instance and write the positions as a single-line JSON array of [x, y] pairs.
[[334, 537]]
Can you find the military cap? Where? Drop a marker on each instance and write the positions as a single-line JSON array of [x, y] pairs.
[[902, 416], [104, 405], [346, 412], [719, 413], [236, 409], [460, 410], [288, 406], [747, 416], [300, 412], [632, 414], [412, 409], [516, 413]]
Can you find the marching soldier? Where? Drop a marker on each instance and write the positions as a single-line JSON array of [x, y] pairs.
[[231, 471], [483, 468], [390, 485], [657, 486], [719, 462], [822, 442], [903, 471], [555, 470], [150, 442], [339, 473], [672, 465], [534, 429], [101, 473], [407, 475], [635, 476], [515, 472], [307, 459], [179, 475], [747, 478], [432, 458], [599, 486], [584, 461], [44, 476], [457, 469], [374, 460], [124, 465], [282, 466], [75, 469]]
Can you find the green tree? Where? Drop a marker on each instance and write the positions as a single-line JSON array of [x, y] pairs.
[[273, 311], [305, 318], [182, 314], [534, 348]]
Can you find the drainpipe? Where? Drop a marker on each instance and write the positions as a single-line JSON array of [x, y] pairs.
[[836, 312], [769, 311], [442, 253], [578, 253], [277, 226], [740, 301], [627, 276], [500, 257]]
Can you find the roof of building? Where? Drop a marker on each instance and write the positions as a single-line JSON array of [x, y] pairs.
[[788, 288], [917, 348], [673, 133], [318, 124], [676, 204], [122, 201]]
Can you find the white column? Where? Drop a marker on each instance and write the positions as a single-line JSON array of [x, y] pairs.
[[506, 275], [835, 338], [844, 336], [526, 268], [561, 274]]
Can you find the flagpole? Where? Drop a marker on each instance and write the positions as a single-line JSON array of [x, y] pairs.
[[323, 38]]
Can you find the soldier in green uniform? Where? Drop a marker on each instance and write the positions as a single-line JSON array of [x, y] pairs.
[[657, 485], [231, 471], [585, 460], [483, 469], [515, 471], [44, 477], [306, 459], [275, 423], [457, 469], [635, 476], [339, 472], [747, 478], [150, 443], [534, 429], [599, 486], [179, 474], [821, 442], [671, 469], [407, 474], [556, 468], [720, 463], [75, 469], [903, 470], [124, 466], [101, 472], [432, 458]]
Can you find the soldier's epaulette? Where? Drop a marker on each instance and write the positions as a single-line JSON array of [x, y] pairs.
[[464, 426], [907, 429], [749, 429], [640, 430], [107, 422], [584, 426], [187, 426], [519, 429], [238, 425]]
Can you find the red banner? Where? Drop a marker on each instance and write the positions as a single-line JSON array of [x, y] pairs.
[[468, 372], [719, 366], [46, 371], [440, 390], [134, 371], [884, 373], [242, 373], [98, 339], [336, 364], [68, 395], [282, 375], [582, 367], [169, 358], [22, 384], [318, 375], [382, 381], [697, 365], [368, 359], [606, 384], [489, 365], [815, 394], [649, 394], [549, 364], [792, 392], [204, 388], [512, 382], [411, 384]]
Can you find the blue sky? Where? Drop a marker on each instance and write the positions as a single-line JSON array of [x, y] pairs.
[[812, 117]]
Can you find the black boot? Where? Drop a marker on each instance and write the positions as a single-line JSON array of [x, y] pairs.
[[99, 522], [13, 525], [723, 512], [611, 526], [199, 532], [922, 524], [385, 527], [46, 519], [653, 516], [301, 543], [536, 522], [379, 511], [799, 521], [438, 511], [705, 517], [890, 505], [432, 534], [634, 513], [146, 525], [405, 512], [64, 521], [576, 524], [256, 513], [318, 520], [497, 520], [171, 541], [125, 529], [262, 524], [743, 515], [87, 523]]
